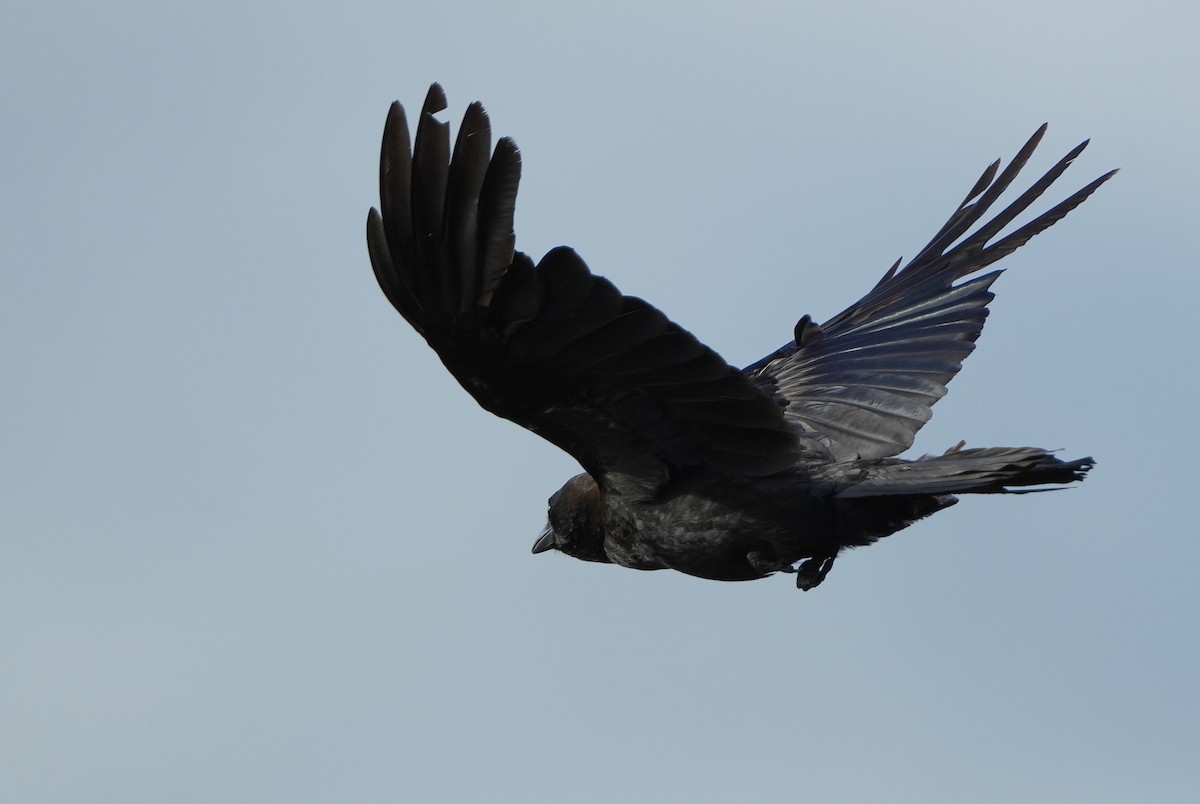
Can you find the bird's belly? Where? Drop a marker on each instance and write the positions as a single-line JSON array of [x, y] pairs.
[[700, 538]]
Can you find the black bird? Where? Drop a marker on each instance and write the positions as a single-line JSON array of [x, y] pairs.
[[690, 464]]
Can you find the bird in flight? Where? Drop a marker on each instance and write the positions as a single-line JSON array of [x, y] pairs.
[[689, 463]]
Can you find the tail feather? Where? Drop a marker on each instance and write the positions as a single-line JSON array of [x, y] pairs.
[[994, 470]]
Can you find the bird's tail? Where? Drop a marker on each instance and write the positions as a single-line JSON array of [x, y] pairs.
[[994, 470]]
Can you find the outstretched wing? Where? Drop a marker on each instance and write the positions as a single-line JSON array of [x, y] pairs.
[[607, 377], [864, 381]]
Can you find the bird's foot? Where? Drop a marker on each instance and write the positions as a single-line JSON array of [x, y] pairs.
[[810, 574]]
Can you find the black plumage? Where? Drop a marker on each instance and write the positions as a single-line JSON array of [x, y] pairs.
[[689, 463]]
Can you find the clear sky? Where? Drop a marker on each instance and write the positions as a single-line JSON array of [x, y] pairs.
[[256, 545]]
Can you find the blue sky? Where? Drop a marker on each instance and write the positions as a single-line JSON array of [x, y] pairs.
[[257, 545]]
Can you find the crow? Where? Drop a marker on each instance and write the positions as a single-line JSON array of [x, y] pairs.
[[689, 463]]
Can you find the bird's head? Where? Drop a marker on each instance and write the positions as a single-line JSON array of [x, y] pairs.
[[575, 525]]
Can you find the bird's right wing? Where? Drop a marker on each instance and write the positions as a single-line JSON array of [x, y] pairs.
[[864, 382], [607, 377]]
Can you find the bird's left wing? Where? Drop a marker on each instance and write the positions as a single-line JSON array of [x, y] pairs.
[[608, 378], [863, 383]]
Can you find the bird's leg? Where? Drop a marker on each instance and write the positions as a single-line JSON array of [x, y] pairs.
[[808, 575], [766, 562], [812, 572]]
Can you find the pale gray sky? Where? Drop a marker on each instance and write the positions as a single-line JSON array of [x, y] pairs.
[[256, 545]]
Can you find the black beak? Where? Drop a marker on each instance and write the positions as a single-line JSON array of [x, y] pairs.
[[545, 541]]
